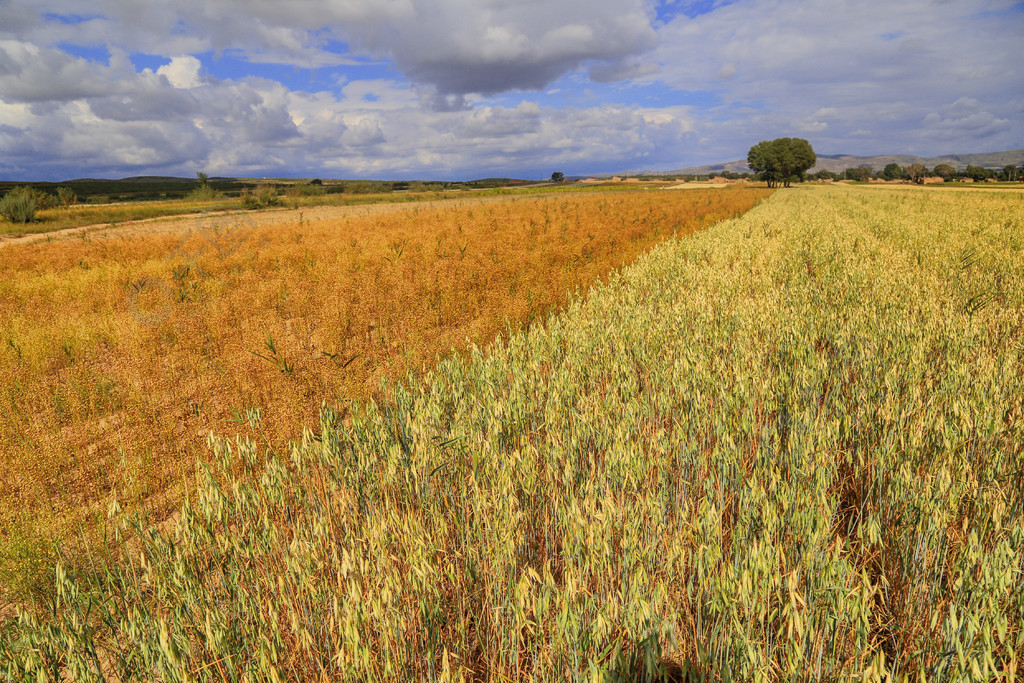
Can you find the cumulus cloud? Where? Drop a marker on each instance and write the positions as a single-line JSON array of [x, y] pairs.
[[365, 131], [498, 122], [981, 123], [834, 69], [29, 73], [443, 100], [467, 46], [112, 119], [456, 46], [182, 72], [129, 122]]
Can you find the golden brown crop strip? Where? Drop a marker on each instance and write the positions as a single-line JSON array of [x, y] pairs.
[[118, 355]]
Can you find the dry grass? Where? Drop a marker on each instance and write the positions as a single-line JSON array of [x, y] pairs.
[[119, 355], [93, 215], [81, 215], [98, 215]]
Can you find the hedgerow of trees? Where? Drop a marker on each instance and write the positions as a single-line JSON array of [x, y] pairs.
[[917, 172]]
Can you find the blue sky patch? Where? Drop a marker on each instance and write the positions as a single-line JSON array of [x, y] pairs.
[[98, 54]]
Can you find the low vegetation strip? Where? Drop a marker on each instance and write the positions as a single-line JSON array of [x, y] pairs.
[[791, 446], [118, 355]]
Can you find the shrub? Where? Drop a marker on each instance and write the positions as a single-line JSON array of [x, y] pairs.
[[264, 196], [44, 200], [66, 196], [20, 205], [202, 193]]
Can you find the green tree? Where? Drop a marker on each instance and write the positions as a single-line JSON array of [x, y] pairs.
[[977, 173], [1010, 172], [782, 160], [944, 171], [859, 173], [892, 172], [557, 177]]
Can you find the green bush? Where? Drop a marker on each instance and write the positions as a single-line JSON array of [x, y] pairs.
[[44, 200], [264, 196], [202, 193], [20, 205], [66, 196]]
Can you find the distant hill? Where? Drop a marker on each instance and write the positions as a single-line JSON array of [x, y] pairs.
[[127, 189], [839, 162], [146, 180]]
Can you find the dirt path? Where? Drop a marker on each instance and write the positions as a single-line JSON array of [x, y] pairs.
[[697, 186], [170, 224]]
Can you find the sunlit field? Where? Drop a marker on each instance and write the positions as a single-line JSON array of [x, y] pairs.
[[119, 354], [97, 217], [111, 215], [788, 447]]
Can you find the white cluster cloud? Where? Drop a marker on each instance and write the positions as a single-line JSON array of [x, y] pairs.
[[457, 46], [181, 72], [174, 121], [831, 68], [678, 86]]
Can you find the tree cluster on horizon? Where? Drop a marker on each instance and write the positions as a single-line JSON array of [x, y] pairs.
[[783, 161], [917, 172]]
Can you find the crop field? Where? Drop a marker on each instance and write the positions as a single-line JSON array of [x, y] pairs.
[[91, 216], [119, 354], [787, 447], [294, 195], [97, 216]]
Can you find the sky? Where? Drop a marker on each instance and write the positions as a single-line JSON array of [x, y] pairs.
[[462, 89]]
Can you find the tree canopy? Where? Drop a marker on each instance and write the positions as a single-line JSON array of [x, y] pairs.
[[859, 173], [892, 172], [782, 160], [978, 173]]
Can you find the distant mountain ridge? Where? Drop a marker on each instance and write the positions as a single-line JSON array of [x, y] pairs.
[[840, 162]]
